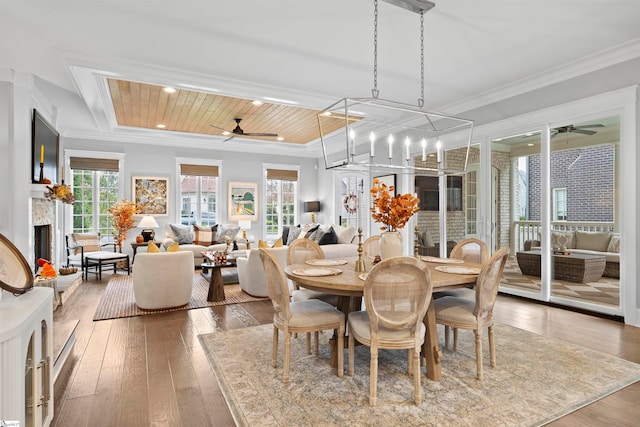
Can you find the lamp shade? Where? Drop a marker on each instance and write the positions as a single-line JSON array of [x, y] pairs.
[[312, 206], [148, 222]]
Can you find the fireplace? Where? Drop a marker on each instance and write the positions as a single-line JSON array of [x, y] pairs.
[[41, 243]]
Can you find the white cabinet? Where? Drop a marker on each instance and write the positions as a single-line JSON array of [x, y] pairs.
[[26, 357]]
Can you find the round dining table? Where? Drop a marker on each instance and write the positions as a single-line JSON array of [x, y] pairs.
[[348, 285]]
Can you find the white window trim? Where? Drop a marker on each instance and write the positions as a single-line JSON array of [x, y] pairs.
[[262, 191], [221, 194], [555, 202]]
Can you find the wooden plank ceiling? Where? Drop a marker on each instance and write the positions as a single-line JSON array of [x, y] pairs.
[[144, 105]]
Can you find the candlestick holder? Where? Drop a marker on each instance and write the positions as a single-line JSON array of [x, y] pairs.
[[415, 243], [360, 267], [41, 179]]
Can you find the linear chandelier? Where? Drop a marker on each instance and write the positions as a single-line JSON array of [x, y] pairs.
[[370, 128]]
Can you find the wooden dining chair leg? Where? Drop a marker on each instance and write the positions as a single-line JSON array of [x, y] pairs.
[[340, 351], [287, 356], [308, 342], [446, 337], [373, 374], [409, 361], [492, 347], [455, 339], [274, 350], [479, 352], [316, 336], [416, 375], [352, 345]]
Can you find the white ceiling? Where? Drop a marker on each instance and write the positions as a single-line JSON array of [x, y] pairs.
[[312, 52]]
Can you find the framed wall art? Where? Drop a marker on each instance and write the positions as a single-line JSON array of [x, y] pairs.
[[389, 181], [152, 194], [243, 201]]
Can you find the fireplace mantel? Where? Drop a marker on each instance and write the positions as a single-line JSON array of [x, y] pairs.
[[38, 191]]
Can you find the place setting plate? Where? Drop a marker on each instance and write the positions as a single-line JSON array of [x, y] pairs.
[[454, 269], [363, 276], [325, 262], [441, 260], [316, 272]]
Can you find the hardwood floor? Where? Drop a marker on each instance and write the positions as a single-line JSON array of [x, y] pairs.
[[150, 370]]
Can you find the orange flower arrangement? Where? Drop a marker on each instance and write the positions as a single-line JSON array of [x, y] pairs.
[[122, 215], [393, 211]]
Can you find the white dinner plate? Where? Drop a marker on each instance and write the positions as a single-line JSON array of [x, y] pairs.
[[316, 272], [441, 260], [326, 262], [363, 276], [458, 270]]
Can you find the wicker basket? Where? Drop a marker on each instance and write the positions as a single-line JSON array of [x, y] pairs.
[[67, 270]]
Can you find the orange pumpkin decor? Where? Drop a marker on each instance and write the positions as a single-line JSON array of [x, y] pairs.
[[48, 271]]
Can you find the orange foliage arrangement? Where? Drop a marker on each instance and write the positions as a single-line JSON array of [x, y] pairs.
[[393, 211], [122, 215]]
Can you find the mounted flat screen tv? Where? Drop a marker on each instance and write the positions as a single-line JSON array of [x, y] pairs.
[[428, 192], [45, 141]]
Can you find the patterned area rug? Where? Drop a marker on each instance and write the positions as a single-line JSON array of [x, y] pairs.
[[606, 291], [537, 379], [118, 300]]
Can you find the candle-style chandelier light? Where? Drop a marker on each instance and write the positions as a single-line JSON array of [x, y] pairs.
[[371, 127]]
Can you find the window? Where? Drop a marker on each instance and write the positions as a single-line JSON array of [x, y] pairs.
[[95, 186], [281, 194], [198, 194], [559, 204], [428, 190]]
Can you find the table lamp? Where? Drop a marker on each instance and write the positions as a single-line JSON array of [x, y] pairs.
[[312, 207], [244, 226], [148, 223]]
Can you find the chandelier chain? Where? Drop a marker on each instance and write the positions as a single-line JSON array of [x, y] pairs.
[[421, 99], [374, 91]]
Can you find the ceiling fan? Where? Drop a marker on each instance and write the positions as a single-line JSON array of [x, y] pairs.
[[238, 131], [583, 129]]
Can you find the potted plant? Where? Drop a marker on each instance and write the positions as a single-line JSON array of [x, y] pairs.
[[122, 216]]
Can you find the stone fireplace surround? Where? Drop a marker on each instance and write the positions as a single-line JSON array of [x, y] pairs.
[[43, 212]]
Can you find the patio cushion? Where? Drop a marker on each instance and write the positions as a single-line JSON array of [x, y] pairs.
[[561, 238], [614, 243], [593, 241]]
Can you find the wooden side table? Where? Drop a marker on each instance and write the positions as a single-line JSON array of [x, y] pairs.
[[135, 246], [216, 285]]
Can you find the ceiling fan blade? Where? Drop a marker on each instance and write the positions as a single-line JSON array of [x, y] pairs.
[[595, 125], [584, 131], [218, 127], [261, 134]]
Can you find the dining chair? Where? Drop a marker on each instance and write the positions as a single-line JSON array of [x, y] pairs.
[[397, 292], [475, 314], [306, 316], [371, 247], [300, 251], [470, 249]]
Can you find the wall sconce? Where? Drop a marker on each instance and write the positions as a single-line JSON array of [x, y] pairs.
[[148, 223], [312, 207]]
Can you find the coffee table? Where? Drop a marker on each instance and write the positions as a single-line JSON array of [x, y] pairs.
[[575, 267], [212, 272]]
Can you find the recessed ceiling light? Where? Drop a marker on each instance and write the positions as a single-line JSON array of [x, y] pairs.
[[432, 155], [280, 138], [257, 102], [326, 113], [169, 89], [161, 126], [226, 133], [281, 101], [530, 145]]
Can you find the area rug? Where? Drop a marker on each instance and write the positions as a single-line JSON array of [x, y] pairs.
[[118, 299], [537, 379]]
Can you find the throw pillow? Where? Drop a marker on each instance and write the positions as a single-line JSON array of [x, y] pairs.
[[285, 233], [152, 248], [90, 242], [205, 236], [427, 240], [592, 240], [329, 237], [614, 244], [174, 248], [345, 234], [262, 244], [278, 243], [559, 238], [294, 233], [311, 230], [182, 233], [228, 231]]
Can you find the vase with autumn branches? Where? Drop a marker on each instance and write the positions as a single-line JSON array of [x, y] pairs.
[[122, 216], [394, 212]]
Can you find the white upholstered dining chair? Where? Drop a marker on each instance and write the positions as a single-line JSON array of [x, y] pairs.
[[397, 292], [306, 316], [475, 314]]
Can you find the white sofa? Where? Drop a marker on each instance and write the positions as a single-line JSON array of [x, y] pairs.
[[163, 280], [197, 250], [251, 274]]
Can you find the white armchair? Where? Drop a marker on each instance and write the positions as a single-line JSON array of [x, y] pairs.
[[163, 280]]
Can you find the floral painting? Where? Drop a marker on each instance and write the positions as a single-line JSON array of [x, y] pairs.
[[243, 201], [151, 194]]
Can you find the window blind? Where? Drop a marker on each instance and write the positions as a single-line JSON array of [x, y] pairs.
[[87, 163], [198, 170], [282, 174]]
